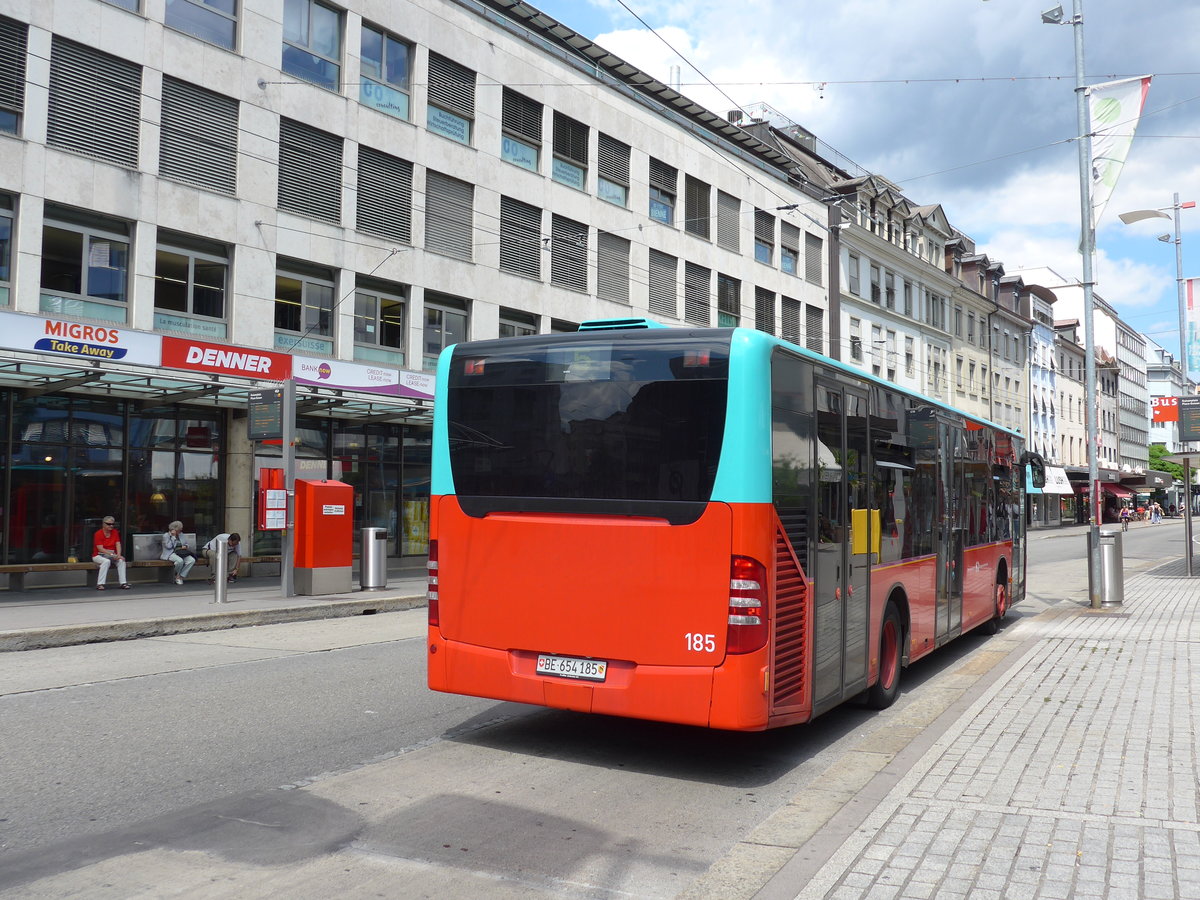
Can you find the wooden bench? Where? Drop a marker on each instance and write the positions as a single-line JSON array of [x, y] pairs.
[[16, 572]]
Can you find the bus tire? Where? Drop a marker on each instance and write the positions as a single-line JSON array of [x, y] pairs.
[[886, 688], [999, 607]]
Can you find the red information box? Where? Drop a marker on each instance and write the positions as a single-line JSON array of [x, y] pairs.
[[272, 500], [324, 553]]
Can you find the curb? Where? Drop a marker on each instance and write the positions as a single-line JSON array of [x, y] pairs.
[[131, 629]]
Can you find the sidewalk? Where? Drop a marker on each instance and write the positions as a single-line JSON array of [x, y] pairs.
[[57, 617], [1070, 770]]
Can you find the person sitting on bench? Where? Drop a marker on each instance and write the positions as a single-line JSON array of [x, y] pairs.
[[106, 550]]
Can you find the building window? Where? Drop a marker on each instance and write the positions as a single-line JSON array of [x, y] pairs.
[[131, 5], [889, 290], [852, 274], [95, 101], [814, 328], [910, 363], [85, 265], [790, 330], [664, 271], [6, 229], [612, 170], [729, 222], [568, 254], [214, 21], [379, 322], [445, 324], [908, 299], [789, 248], [13, 41], [451, 109], [764, 310], [570, 152], [521, 140], [958, 321], [729, 301], [612, 267], [520, 238], [695, 207], [312, 42], [198, 141], [386, 72], [310, 171], [303, 308], [697, 294], [191, 277], [664, 186], [814, 254], [384, 195], [876, 289], [764, 237], [515, 323], [856, 353], [449, 215]]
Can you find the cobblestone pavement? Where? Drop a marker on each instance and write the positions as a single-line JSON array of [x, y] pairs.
[[1075, 776]]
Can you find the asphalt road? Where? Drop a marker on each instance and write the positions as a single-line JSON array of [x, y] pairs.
[[262, 761]]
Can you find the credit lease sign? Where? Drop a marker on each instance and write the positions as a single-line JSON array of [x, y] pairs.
[[81, 340]]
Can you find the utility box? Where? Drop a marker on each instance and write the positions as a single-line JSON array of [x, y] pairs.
[[324, 538]]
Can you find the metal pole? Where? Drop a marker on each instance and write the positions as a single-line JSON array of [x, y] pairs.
[[287, 571], [1187, 516], [1183, 365], [219, 565], [1088, 243]]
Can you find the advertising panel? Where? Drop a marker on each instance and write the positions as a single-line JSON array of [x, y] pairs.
[[221, 359], [81, 340], [1164, 409], [332, 373]]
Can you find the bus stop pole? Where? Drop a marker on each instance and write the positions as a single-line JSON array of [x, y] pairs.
[[287, 570]]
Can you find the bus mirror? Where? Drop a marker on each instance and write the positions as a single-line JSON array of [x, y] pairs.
[[1037, 469]]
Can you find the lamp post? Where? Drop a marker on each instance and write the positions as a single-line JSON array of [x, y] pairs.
[[1055, 17], [1139, 215]]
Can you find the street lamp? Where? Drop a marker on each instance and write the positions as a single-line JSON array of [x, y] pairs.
[[1055, 16], [1139, 215]]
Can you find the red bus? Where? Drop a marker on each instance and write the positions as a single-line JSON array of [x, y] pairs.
[[705, 526]]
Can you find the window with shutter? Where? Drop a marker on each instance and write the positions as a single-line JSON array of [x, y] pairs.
[[310, 171], [379, 321], [214, 21], [449, 215], [570, 152], [814, 328], [664, 186], [790, 330], [663, 289], [764, 237], [198, 141], [568, 254], [451, 98], [814, 250], [764, 310], [729, 301], [446, 322], [789, 248], [516, 323], [312, 42], [612, 267], [85, 265], [697, 294], [612, 166], [303, 307], [13, 43], [384, 194], [695, 206], [190, 279], [729, 225], [95, 101], [520, 238], [521, 121]]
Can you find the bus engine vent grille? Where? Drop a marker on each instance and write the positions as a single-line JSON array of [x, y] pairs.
[[791, 613]]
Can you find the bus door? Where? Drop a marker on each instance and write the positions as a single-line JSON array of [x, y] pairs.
[[951, 534], [842, 600]]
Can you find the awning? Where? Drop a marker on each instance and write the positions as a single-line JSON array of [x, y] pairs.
[[1057, 481], [1116, 490]]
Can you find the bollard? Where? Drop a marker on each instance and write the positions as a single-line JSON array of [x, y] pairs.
[[219, 565]]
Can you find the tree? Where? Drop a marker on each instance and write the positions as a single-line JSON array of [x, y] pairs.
[[1157, 452]]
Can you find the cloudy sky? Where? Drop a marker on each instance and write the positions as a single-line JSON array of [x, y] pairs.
[[966, 103]]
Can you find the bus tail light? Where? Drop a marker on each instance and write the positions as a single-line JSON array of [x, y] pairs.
[[431, 591], [747, 605]]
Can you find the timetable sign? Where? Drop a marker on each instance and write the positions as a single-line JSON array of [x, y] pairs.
[[1189, 418], [265, 415]]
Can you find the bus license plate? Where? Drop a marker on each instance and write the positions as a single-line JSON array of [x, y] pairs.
[[571, 667]]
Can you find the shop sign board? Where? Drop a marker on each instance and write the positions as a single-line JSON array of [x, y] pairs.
[[332, 373], [79, 340], [222, 359]]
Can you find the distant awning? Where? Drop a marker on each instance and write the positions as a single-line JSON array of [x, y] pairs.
[[1057, 481], [1117, 490]]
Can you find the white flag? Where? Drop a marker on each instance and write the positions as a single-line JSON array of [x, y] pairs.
[[1115, 108]]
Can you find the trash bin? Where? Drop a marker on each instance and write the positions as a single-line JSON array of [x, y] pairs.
[[373, 560], [1112, 569]]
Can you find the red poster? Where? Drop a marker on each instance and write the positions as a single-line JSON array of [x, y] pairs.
[[200, 356], [1164, 409]]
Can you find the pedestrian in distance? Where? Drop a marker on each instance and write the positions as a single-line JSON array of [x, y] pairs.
[[232, 554], [176, 550], [106, 550]]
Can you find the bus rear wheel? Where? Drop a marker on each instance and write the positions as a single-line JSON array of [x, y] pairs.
[[884, 691], [999, 605]]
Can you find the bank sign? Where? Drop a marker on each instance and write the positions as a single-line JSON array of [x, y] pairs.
[[80, 340]]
